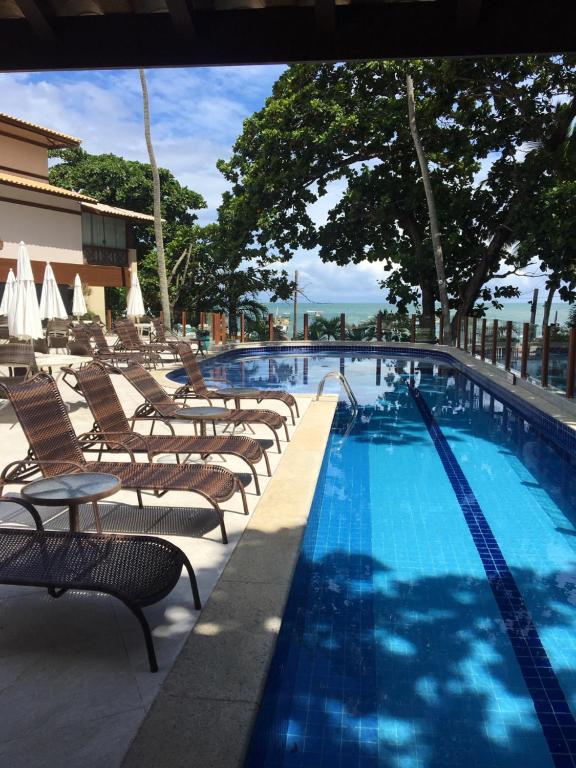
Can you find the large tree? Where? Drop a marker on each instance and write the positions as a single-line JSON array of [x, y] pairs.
[[488, 126], [219, 267]]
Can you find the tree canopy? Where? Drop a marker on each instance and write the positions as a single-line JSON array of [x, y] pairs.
[[495, 132]]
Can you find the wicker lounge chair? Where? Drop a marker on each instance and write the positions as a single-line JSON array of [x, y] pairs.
[[159, 403], [105, 352], [138, 570], [160, 337], [55, 449], [196, 387], [79, 340], [129, 338], [57, 332], [19, 360], [95, 385]]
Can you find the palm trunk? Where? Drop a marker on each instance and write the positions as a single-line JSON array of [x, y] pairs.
[[428, 310], [162, 276], [432, 215]]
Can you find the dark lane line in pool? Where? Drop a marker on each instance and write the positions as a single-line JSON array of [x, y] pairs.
[[558, 723]]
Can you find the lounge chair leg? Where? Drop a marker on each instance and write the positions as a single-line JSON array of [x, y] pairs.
[[277, 440], [222, 525], [255, 476], [97, 520], [147, 636], [267, 460], [296, 406], [244, 500], [139, 497], [287, 433]]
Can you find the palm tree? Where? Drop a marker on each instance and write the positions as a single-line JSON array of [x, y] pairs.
[[162, 276]]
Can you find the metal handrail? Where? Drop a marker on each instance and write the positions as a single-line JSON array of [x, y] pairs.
[[345, 384]]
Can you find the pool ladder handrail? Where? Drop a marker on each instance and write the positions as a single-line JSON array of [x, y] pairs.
[[345, 384]]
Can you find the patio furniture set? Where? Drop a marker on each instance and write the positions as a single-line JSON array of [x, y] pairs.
[[139, 570]]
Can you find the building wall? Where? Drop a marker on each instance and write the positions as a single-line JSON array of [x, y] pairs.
[[22, 158], [53, 233], [95, 302]]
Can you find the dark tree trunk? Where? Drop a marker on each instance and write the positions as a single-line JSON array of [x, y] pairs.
[[232, 318], [428, 306], [548, 305]]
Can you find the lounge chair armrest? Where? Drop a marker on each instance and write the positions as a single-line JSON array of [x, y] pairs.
[[99, 437], [28, 507]]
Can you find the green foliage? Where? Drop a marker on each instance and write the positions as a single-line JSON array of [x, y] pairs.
[[506, 120]]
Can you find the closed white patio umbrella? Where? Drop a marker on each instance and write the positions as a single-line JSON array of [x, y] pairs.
[[8, 293], [78, 302], [51, 304], [24, 312], [135, 304]]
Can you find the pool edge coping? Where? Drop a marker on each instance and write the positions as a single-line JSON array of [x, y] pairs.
[[209, 712]]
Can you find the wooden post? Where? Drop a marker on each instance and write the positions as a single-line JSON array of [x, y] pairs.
[[342, 326], [494, 340], [458, 331], [525, 348], [413, 330], [378, 371], [270, 327], [184, 322], [474, 326], [223, 328], [483, 340], [242, 327], [545, 355], [109, 319], [379, 326], [215, 328], [508, 350], [202, 319], [466, 333], [306, 326], [441, 330], [571, 363]]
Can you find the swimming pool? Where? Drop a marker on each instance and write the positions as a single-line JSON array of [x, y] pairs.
[[432, 617]]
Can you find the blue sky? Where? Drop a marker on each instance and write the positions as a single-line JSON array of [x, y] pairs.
[[197, 114]]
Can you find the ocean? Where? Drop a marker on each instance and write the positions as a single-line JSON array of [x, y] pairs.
[[517, 311]]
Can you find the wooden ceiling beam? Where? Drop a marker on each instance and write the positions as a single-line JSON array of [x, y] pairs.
[[468, 13], [325, 11], [182, 18], [37, 19]]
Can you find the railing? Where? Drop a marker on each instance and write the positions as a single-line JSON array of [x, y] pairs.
[[549, 360], [345, 384]]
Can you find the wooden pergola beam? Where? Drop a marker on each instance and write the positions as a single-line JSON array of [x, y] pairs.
[[37, 19], [182, 18]]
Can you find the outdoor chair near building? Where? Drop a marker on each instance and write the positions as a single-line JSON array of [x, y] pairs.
[[57, 333], [56, 449], [138, 570], [196, 387], [104, 351], [17, 363], [4, 332], [130, 339], [160, 404], [95, 385]]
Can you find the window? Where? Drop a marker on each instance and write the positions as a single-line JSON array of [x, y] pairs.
[[104, 240]]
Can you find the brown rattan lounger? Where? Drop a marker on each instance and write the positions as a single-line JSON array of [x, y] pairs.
[[138, 570], [55, 449], [105, 352], [196, 387], [159, 403], [130, 339], [160, 336], [94, 383], [19, 360]]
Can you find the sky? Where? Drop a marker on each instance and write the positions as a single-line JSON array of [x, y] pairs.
[[197, 114]]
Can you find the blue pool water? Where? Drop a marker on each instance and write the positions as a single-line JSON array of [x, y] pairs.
[[432, 618]]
